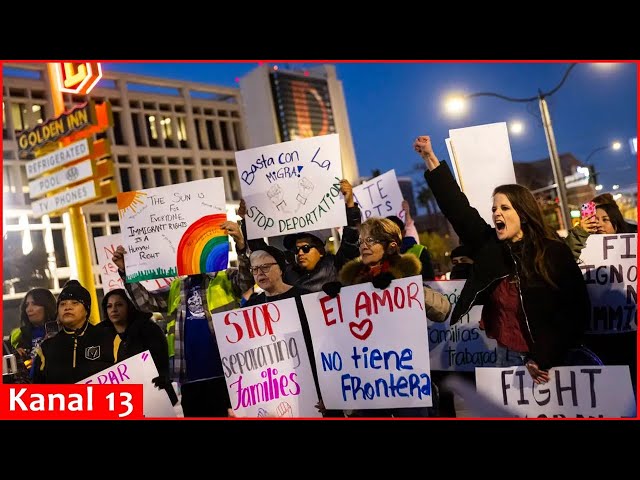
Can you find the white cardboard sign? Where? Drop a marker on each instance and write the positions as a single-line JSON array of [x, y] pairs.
[[292, 187]]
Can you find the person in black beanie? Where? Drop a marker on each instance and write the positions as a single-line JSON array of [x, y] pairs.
[[80, 349]]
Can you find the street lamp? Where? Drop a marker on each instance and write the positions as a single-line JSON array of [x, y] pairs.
[[558, 177], [614, 146]]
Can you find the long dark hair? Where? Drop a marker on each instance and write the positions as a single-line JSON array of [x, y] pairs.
[[615, 217], [43, 298], [534, 228], [132, 312]]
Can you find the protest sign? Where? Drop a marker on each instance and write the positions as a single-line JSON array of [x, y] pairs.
[[481, 160], [370, 345], [572, 392], [461, 347], [138, 369], [105, 247], [265, 361], [610, 270], [174, 230], [292, 186], [380, 197]]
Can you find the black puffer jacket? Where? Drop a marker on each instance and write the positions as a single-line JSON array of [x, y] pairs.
[[556, 318]]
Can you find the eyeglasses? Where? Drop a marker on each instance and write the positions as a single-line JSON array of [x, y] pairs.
[[369, 241], [264, 268], [305, 248]]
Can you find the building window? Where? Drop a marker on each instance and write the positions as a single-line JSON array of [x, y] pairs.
[[198, 135], [158, 176], [237, 133], [233, 182], [124, 179], [167, 131], [213, 145], [181, 130], [118, 138], [152, 131], [226, 145], [137, 133], [19, 116], [38, 113]]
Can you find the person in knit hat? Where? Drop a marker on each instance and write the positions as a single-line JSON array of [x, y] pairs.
[[74, 293], [80, 349]]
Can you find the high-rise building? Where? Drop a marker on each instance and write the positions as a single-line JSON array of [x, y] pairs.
[[282, 105]]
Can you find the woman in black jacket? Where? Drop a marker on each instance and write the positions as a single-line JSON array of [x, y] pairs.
[[536, 305], [135, 331]]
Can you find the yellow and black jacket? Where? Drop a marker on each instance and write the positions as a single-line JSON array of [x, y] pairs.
[[73, 355]]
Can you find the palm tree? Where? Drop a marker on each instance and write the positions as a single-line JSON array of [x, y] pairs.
[[426, 199]]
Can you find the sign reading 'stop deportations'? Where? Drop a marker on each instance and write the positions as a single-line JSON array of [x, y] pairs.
[[292, 187]]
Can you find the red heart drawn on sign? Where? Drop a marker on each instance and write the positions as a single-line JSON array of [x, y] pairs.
[[361, 330]]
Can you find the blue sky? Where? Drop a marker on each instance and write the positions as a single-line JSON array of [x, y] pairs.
[[391, 103]]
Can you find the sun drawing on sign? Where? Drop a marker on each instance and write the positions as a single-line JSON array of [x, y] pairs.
[[128, 200]]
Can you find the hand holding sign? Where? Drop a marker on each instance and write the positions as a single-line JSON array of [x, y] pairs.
[[234, 230]]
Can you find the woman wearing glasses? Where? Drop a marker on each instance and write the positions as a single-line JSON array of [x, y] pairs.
[[381, 262], [268, 266], [313, 266]]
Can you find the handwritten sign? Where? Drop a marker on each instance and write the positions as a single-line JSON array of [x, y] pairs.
[[609, 266], [138, 369], [380, 196], [572, 392], [174, 230], [463, 346], [111, 280], [265, 361], [292, 186], [371, 346]]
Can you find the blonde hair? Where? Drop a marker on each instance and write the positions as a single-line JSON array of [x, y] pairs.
[[385, 230]]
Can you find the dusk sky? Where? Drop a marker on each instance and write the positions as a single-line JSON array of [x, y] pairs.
[[389, 104]]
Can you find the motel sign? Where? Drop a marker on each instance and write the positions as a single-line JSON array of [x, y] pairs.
[[78, 77]]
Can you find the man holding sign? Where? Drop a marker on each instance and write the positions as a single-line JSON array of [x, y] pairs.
[[191, 300]]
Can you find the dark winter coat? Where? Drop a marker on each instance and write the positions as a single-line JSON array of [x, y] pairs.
[[73, 355], [555, 317]]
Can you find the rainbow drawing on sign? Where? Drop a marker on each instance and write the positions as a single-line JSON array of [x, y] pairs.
[[204, 247]]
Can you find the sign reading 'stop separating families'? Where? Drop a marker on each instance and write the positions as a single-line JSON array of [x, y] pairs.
[[292, 186], [370, 345], [463, 346], [571, 392], [265, 361], [610, 270], [380, 196], [174, 230]]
